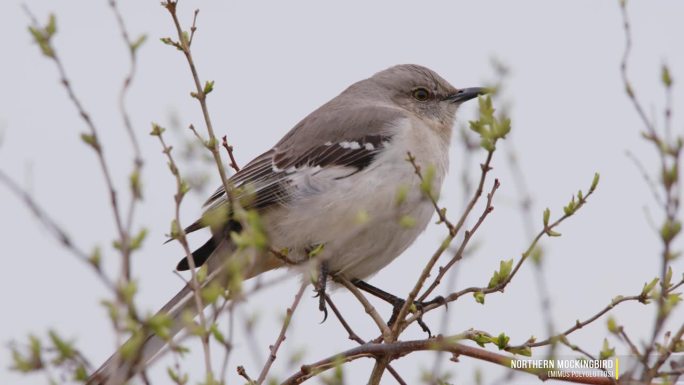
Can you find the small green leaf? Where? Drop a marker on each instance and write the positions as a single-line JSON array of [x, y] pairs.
[[80, 374], [316, 250], [176, 377], [407, 221], [479, 297], [208, 86], [613, 325], [157, 130], [161, 325], [211, 293], [670, 230], [175, 230], [135, 184], [547, 215], [128, 291], [216, 333], [95, 257], [137, 241], [90, 140], [502, 341], [594, 182], [648, 287], [552, 233], [51, 26], [211, 143], [131, 348], [426, 185], [523, 351], [537, 255], [64, 348], [500, 276], [401, 195], [606, 352], [481, 339], [215, 217], [201, 273], [665, 76], [667, 283], [138, 42], [570, 208]]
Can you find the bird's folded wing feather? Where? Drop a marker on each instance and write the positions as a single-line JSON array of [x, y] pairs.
[[348, 143]]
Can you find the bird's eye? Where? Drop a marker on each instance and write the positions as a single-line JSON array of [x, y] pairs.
[[421, 94]]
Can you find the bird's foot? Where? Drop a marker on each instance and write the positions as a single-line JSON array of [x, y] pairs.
[[417, 307], [320, 287]]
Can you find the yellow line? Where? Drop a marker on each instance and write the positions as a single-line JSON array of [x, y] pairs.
[[617, 368]]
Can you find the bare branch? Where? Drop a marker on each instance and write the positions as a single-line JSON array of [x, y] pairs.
[[57, 232], [281, 337]]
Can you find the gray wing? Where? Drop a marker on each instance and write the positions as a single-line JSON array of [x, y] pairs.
[[326, 138]]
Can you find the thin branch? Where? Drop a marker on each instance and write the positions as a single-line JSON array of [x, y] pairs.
[[548, 230], [281, 337], [354, 337], [370, 310], [669, 152], [485, 167], [629, 342], [128, 80], [184, 44], [229, 150], [441, 212], [525, 204], [178, 233], [243, 373], [55, 230], [466, 239], [92, 139]]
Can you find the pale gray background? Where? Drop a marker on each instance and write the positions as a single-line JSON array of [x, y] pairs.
[[274, 62]]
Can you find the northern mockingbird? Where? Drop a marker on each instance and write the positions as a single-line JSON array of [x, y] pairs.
[[338, 182]]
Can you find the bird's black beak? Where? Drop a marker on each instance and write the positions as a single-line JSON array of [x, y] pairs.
[[465, 94]]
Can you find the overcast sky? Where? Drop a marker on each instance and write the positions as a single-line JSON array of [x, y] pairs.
[[273, 62]]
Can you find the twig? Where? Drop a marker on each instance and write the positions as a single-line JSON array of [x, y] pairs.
[[180, 236], [589, 356], [669, 151], [243, 373], [57, 232], [354, 337], [629, 342], [184, 44], [485, 167], [440, 211], [92, 139], [525, 203], [370, 310], [546, 230], [281, 337], [466, 239], [229, 149], [644, 174], [128, 80]]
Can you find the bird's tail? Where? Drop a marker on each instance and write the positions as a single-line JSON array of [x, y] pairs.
[[117, 370]]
